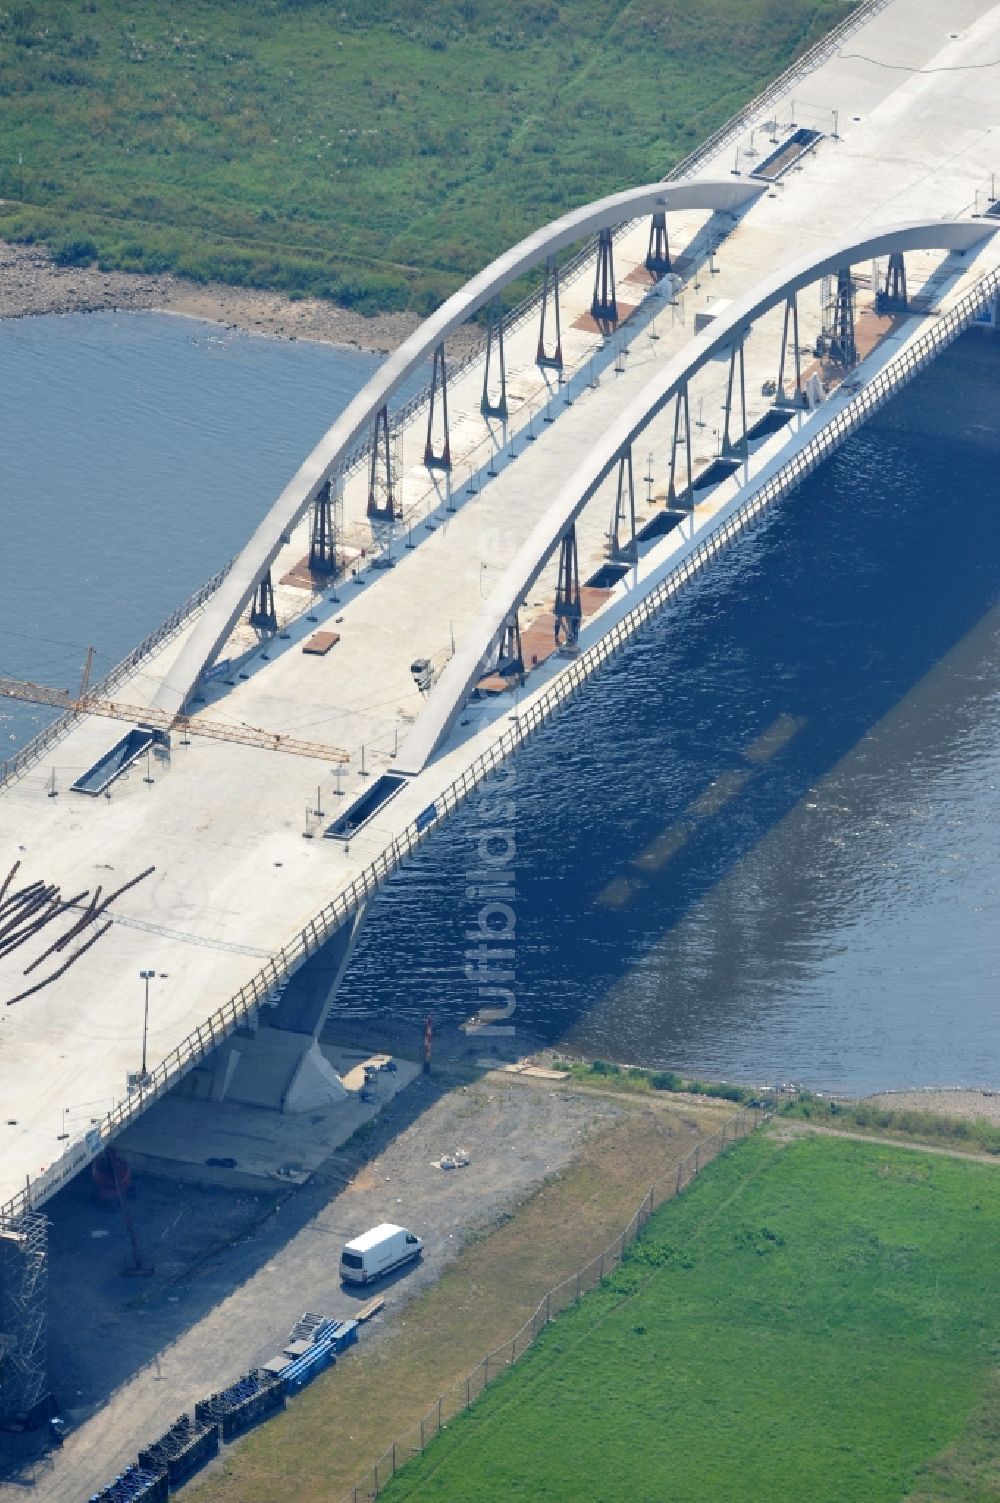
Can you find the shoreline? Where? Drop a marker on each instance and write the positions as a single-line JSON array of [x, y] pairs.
[[31, 284], [454, 1048]]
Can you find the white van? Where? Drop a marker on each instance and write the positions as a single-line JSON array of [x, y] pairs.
[[378, 1252]]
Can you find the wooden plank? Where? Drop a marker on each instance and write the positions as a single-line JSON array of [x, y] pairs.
[[320, 642]]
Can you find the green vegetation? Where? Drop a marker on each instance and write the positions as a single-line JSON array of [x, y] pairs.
[[969, 1470], [635, 1078], [376, 155], [953, 1132], [816, 1319]]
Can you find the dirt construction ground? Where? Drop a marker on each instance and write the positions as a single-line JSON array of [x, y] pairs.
[[234, 1271]]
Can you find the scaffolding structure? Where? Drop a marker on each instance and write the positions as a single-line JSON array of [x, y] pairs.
[[837, 340], [23, 1278], [828, 305]]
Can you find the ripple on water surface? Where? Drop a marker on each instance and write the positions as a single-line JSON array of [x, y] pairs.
[[140, 450]]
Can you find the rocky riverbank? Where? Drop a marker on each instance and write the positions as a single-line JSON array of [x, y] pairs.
[[971, 1104], [31, 283]]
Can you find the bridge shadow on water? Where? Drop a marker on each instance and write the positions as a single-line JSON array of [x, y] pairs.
[[676, 900]]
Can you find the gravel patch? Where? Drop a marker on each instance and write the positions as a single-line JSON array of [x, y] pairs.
[[232, 1307], [949, 1102]]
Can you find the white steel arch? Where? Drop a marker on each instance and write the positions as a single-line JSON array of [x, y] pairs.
[[452, 690], [226, 605]]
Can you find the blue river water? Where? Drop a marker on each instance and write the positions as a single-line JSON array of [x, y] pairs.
[[763, 844], [139, 452]]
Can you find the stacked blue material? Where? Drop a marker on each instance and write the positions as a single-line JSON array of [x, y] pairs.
[[255, 1396], [345, 1334], [329, 1338], [320, 1354]]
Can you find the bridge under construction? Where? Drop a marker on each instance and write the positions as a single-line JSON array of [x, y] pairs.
[[179, 899]]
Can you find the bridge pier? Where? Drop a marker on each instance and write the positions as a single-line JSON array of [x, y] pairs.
[[624, 512], [279, 1064], [542, 358], [658, 254], [568, 606], [736, 354], [433, 459], [672, 494], [494, 329], [262, 612], [322, 537], [381, 499], [604, 305]]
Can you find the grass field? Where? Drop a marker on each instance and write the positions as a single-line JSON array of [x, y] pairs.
[[812, 1320], [373, 154]]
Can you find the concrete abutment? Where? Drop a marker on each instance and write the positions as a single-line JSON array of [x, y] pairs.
[[274, 1060]]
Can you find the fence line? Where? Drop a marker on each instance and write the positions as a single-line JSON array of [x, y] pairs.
[[537, 713], [461, 1395]]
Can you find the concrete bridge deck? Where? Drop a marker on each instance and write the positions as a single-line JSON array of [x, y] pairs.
[[224, 825]]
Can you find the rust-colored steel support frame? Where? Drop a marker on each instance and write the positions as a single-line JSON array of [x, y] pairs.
[[894, 298], [380, 486], [542, 357], [262, 612], [792, 315], [434, 460], [736, 357], [604, 305], [322, 536], [624, 511], [510, 645], [658, 254], [673, 497], [843, 348], [494, 330], [568, 609]]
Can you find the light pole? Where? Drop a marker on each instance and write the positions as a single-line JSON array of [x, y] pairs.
[[147, 977]]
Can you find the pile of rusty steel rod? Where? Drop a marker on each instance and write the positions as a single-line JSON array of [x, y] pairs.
[[27, 910]]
